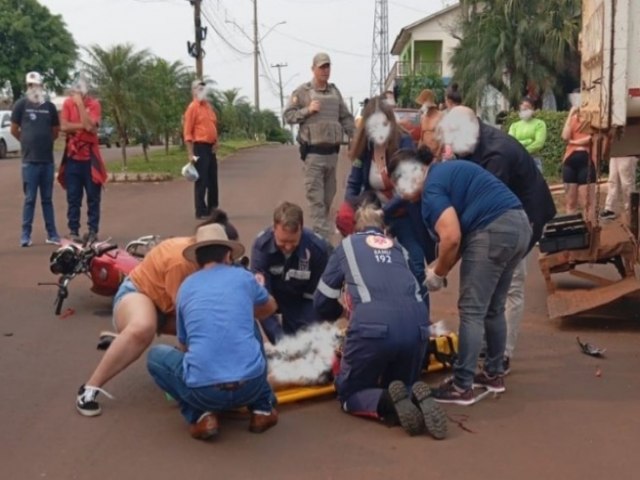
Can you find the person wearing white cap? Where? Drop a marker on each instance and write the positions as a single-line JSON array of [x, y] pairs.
[[35, 122], [219, 364], [318, 107]]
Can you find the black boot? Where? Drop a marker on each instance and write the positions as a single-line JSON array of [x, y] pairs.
[[408, 414], [435, 419]]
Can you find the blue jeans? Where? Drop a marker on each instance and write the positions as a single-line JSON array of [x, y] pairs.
[[38, 176], [165, 366], [489, 257], [403, 229], [77, 177]]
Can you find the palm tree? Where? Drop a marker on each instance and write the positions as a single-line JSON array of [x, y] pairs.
[[117, 73], [169, 86], [230, 100], [512, 44]]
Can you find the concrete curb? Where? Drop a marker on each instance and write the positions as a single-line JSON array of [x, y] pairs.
[[138, 177], [144, 177]]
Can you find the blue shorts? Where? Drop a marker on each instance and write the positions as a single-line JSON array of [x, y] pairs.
[[126, 287]]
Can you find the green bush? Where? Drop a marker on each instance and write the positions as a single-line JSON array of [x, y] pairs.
[[554, 147]]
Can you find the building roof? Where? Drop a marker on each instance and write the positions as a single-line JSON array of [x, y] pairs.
[[405, 33]]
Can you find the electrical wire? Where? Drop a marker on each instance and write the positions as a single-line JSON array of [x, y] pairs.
[[324, 47], [205, 13]]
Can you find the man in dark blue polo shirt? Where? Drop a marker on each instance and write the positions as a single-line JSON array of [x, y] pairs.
[[35, 122], [289, 259]]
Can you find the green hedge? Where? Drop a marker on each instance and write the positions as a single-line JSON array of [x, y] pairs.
[[554, 147]]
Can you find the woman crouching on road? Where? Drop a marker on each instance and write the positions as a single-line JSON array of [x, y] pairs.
[[477, 220], [143, 306], [388, 331]]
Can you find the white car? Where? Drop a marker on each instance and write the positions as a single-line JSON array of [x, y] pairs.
[[8, 143]]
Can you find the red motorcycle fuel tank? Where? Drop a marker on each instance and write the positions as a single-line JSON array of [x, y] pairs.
[[108, 270]]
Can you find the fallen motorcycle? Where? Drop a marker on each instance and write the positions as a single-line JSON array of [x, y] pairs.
[[103, 262]]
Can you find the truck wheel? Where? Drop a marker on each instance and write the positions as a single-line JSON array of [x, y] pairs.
[[3, 149]]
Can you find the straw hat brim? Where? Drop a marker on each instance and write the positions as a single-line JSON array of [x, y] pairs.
[[237, 249]]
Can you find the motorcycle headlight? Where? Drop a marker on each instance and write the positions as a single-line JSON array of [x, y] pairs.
[[63, 261]]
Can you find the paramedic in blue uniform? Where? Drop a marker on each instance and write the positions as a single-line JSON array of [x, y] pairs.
[[388, 331], [289, 259], [478, 220]]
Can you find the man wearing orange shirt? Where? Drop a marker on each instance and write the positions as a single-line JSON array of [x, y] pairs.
[[200, 137]]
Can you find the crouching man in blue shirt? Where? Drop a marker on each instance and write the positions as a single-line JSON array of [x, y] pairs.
[[289, 259], [219, 364]]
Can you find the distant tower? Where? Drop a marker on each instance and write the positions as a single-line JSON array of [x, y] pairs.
[[380, 48]]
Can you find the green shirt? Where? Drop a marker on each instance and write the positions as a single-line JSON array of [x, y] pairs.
[[531, 134]]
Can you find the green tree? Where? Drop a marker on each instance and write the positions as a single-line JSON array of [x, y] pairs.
[[168, 90], [514, 44], [31, 38], [118, 75], [413, 84], [229, 121]]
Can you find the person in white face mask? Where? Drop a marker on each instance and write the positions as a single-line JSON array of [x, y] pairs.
[[35, 122], [531, 132], [374, 143], [201, 138], [82, 169], [467, 137], [429, 120]]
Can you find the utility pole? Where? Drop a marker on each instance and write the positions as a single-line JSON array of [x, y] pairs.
[[256, 53], [280, 66], [195, 48]]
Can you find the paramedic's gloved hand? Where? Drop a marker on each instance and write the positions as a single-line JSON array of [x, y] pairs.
[[434, 282]]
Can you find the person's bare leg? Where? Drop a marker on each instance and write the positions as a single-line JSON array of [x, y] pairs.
[[571, 198], [587, 201], [136, 321]]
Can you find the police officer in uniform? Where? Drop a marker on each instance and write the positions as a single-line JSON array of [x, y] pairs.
[[289, 260], [317, 106], [388, 329]]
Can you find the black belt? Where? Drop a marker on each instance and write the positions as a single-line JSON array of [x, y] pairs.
[[323, 150], [228, 386]]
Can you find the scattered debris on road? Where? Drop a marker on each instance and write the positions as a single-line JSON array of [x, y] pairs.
[[591, 349], [67, 313]]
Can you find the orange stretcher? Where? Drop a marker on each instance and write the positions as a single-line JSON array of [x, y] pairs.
[[442, 349]]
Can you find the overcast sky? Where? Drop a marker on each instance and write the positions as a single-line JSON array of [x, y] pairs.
[[165, 26]]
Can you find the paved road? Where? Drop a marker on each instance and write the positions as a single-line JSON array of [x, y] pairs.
[[558, 420]]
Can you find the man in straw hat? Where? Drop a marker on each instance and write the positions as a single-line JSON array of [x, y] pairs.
[[145, 305], [219, 364]]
